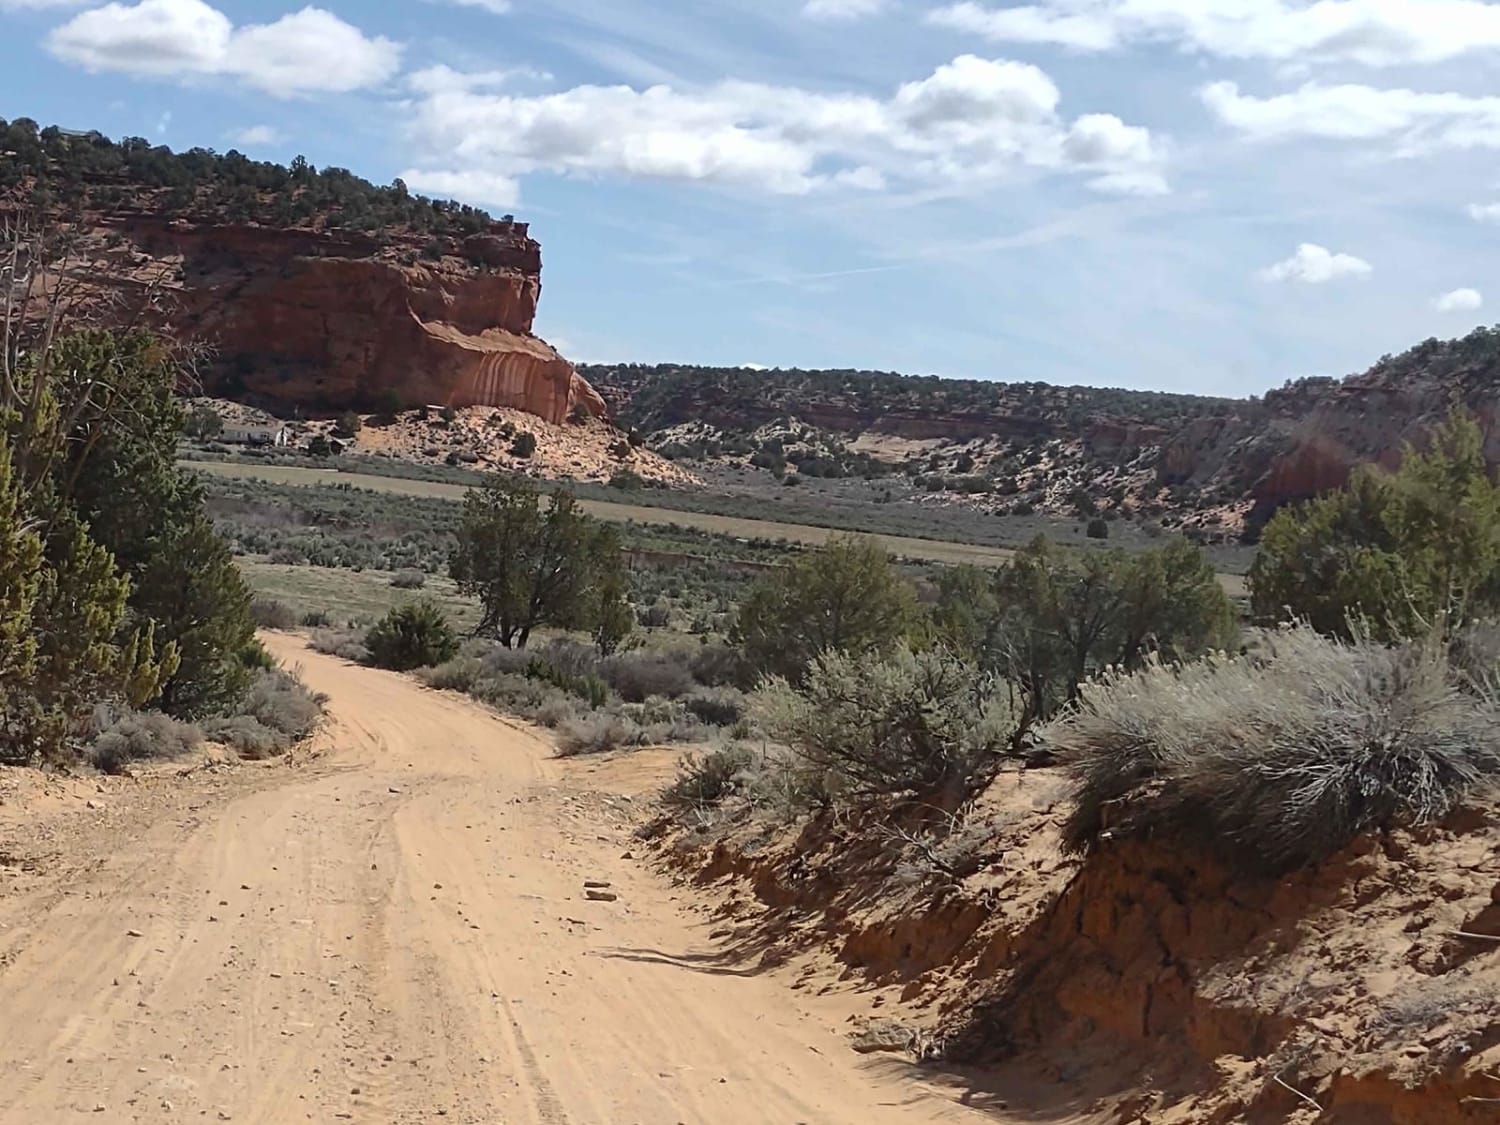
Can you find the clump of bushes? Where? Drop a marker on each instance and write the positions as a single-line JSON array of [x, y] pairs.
[[599, 734], [278, 712], [408, 580], [639, 675], [122, 737], [1282, 756], [346, 644], [912, 721], [411, 636]]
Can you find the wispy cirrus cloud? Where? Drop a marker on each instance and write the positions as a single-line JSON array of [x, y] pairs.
[[1367, 32]]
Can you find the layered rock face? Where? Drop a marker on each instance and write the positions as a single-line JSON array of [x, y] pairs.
[[1306, 439], [330, 320]]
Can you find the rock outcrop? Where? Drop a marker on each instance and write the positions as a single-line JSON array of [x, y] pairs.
[[1305, 439], [328, 320]]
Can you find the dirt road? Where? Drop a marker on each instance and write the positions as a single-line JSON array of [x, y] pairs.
[[400, 934]]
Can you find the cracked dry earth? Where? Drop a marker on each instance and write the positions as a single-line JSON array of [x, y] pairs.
[[394, 929]]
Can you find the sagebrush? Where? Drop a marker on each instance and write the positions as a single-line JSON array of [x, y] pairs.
[[1281, 756]]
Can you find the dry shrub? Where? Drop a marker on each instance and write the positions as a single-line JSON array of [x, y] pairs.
[[408, 580], [246, 736], [599, 734], [718, 707], [279, 700], [1280, 757], [134, 736], [347, 644], [278, 712], [461, 674], [638, 675], [268, 613]]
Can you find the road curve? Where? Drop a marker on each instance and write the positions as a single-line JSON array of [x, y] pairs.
[[400, 934]]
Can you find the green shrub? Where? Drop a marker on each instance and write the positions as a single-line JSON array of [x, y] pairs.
[[411, 636], [408, 580], [913, 721], [524, 445], [135, 736], [705, 781], [1279, 757], [1098, 528], [592, 690]]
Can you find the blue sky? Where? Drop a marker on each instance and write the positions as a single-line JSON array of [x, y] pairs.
[[1189, 195]]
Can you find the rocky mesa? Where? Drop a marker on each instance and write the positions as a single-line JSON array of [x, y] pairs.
[[310, 290]]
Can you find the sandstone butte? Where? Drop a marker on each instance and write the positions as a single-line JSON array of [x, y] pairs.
[[329, 320]]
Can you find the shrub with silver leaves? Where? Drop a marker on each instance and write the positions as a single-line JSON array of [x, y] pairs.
[[1282, 756]]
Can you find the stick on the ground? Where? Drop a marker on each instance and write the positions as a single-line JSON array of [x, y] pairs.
[[1276, 1078]]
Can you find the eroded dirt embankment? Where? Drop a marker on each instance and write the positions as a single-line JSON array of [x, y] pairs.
[[1143, 983]]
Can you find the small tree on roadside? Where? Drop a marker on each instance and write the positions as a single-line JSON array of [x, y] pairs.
[[348, 424], [411, 636], [531, 567], [614, 616], [844, 597], [1050, 618]]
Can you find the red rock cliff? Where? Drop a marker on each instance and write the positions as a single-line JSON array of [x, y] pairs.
[[326, 320]]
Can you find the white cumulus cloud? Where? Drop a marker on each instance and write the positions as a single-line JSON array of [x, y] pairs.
[[1459, 300], [1484, 212], [971, 121], [1315, 265], [1367, 32], [306, 51]]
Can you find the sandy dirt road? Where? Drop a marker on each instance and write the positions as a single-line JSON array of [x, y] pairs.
[[400, 934]]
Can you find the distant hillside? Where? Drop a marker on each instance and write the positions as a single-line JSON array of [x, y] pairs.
[[1216, 467]]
